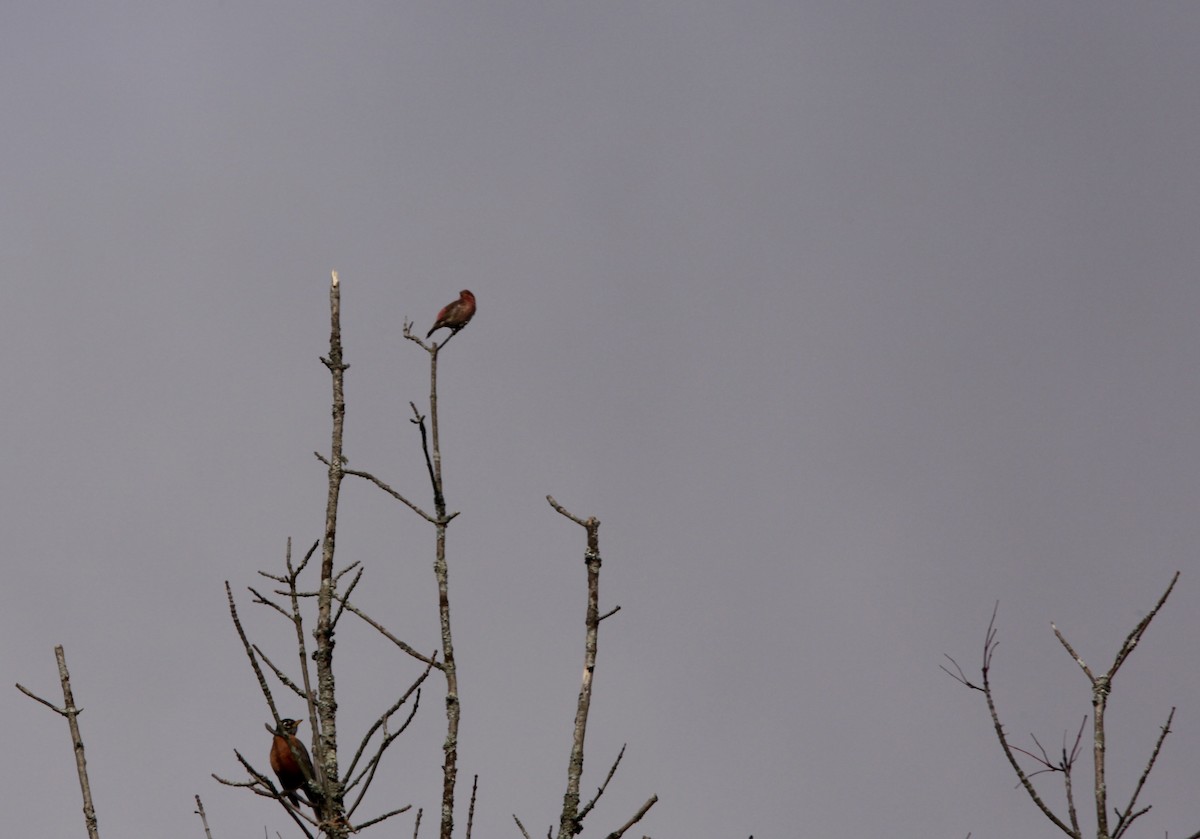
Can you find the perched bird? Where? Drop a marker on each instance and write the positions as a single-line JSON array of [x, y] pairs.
[[455, 315], [291, 763]]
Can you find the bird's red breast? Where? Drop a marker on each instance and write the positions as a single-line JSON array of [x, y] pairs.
[[289, 759]]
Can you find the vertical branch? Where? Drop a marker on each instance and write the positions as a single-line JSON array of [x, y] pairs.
[[1100, 688], [440, 570], [569, 822], [326, 702], [203, 818], [72, 714]]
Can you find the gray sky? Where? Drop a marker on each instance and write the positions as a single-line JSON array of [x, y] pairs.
[[847, 319]]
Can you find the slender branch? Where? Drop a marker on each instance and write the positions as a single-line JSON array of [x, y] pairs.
[[1071, 650], [368, 773], [989, 647], [570, 820], [637, 817], [1126, 818], [279, 674], [471, 808], [1134, 637], [71, 713], [380, 818], [262, 680], [381, 721], [449, 668], [369, 477], [346, 596], [587, 808], [203, 818], [524, 832], [386, 634]]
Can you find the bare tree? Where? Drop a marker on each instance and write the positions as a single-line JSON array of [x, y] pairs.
[[332, 790], [328, 788], [1064, 761]]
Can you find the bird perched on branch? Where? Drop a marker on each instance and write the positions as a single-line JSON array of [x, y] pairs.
[[292, 765], [455, 315]]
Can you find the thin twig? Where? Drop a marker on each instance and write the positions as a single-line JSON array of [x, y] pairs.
[[380, 818], [637, 817], [262, 680], [587, 808], [369, 477], [1126, 818], [471, 808], [378, 627]]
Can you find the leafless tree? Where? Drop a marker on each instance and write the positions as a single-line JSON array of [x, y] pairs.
[[335, 795], [1064, 761], [333, 789]]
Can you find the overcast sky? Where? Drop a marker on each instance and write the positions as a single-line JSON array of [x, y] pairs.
[[847, 319]]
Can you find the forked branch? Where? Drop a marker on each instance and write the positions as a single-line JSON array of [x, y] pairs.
[[1101, 688]]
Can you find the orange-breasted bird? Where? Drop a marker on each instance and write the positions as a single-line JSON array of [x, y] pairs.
[[455, 315], [291, 763]]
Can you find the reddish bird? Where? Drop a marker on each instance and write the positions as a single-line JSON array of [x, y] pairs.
[[291, 763], [455, 315]]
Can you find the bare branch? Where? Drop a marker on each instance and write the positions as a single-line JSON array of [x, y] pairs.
[[45, 702], [564, 512], [71, 712], [380, 818], [203, 818], [1124, 819], [471, 808], [368, 772], [637, 817], [989, 647], [369, 477], [349, 590], [609, 613], [279, 674], [524, 832], [1071, 650], [1135, 636], [378, 627], [262, 680], [587, 808]]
